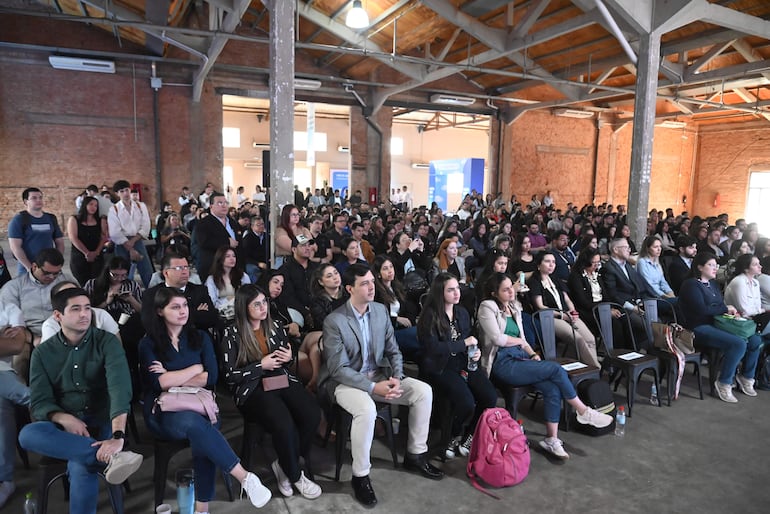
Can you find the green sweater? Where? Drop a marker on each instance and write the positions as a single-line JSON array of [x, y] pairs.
[[91, 379]]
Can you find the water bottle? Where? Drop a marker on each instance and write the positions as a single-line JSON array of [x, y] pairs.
[[472, 364], [185, 491], [620, 422], [30, 507], [654, 395]]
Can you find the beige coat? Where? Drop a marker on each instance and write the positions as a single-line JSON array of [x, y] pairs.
[[491, 330]]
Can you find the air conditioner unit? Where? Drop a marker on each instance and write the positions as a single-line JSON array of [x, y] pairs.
[[343, 149], [308, 84], [252, 164], [79, 64], [572, 113], [671, 124], [420, 166], [260, 146], [451, 99]]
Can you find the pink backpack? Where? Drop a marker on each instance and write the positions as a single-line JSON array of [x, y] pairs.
[[499, 454]]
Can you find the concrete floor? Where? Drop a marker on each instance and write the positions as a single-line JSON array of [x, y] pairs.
[[695, 456]]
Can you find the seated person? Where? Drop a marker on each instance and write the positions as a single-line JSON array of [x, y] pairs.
[[510, 360], [351, 254], [88, 439], [403, 311], [173, 354], [445, 335], [100, 318], [257, 349], [225, 277], [362, 364], [743, 291], [649, 267], [175, 236]]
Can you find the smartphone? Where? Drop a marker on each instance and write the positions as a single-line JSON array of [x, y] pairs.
[[522, 279]]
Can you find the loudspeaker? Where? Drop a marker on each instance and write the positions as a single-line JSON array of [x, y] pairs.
[[265, 168]]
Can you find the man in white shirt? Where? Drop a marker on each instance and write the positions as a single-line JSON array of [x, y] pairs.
[[186, 196], [205, 196], [129, 226]]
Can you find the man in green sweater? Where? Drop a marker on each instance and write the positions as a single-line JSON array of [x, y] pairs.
[[80, 391]]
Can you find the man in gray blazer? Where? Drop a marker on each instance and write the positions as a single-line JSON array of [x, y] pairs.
[[362, 364]]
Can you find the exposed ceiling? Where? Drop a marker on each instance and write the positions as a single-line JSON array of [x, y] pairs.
[[511, 56]]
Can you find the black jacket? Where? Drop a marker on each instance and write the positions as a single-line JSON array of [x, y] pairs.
[[438, 347], [210, 234]]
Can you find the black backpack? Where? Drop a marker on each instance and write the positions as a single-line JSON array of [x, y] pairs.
[[763, 371], [597, 395]]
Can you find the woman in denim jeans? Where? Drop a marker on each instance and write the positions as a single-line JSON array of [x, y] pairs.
[[510, 360], [699, 301], [175, 354]]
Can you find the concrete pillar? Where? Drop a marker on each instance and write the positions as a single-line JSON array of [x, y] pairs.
[[282, 15], [370, 151], [644, 131], [493, 178]]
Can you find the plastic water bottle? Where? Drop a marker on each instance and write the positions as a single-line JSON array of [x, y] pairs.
[[620, 422], [30, 507], [654, 395], [472, 364]]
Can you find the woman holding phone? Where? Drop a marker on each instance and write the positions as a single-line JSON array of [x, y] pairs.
[[256, 365]]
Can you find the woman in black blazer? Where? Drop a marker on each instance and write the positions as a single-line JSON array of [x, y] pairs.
[[444, 330]]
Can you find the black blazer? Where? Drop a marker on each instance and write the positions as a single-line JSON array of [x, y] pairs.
[[678, 272], [619, 289], [438, 347], [210, 235]]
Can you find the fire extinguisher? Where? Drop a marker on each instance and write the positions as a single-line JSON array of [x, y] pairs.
[[372, 196]]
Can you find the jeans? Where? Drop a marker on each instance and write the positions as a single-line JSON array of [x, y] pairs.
[[254, 272], [47, 438], [548, 377], [291, 416], [210, 449], [144, 266], [410, 347], [12, 393], [734, 348]]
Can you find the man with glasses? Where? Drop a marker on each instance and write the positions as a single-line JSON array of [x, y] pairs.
[[623, 285], [129, 225], [32, 230], [176, 274], [213, 232], [31, 292]]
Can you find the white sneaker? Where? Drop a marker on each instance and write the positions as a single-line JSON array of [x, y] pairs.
[[307, 488], [725, 392], [553, 445], [452, 448], [594, 418], [122, 465], [6, 490], [746, 385], [465, 448], [284, 485], [258, 494]]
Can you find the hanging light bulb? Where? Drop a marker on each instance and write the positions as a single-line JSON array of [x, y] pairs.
[[357, 17]]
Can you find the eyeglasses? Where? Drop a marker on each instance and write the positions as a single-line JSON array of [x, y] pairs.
[[221, 202], [179, 268], [121, 276], [258, 304]]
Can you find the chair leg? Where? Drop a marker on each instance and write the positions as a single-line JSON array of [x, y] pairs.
[[657, 384], [671, 372], [339, 445], [700, 382], [159, 474], [132, 426], [116, 498], [386, 415], [630, 392], [227, 479]]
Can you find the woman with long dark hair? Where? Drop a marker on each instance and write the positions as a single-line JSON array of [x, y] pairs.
[[288, 227], [509, 359], [225, 277], [88, 234], [256, 366], [389, 291], [523, 260], [444, 331], [175, 354]]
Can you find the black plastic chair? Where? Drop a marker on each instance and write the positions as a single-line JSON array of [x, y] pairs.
[[50, 470], [631, 369], [341, 420], [546, 336], [667, 358], [164, 450]]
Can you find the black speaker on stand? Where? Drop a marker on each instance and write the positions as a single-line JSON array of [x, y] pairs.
[[265, 208]]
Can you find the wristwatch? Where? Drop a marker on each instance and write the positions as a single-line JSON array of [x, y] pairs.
[[118, 434]]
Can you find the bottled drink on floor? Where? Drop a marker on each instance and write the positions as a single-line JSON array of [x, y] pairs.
[[30, 507], [654, 395], [620, 422]]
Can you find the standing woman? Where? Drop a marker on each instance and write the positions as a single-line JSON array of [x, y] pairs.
[[256, 360], [88, 234], [287, 229], [509, 359], [545, 293], [175, 354], [225, 277], [444, 331], [699, 301]]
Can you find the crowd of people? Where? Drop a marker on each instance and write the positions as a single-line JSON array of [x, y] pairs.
[[350, 293]]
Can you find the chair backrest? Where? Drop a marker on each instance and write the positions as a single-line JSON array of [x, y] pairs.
[[650, 316], [603, 317], [546, 336]]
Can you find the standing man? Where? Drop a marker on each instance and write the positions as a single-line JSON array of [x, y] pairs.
[[81, 413], [32, 230], [214, 231], [185, 197], [204, 199], [362, 365], [129, 226]]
